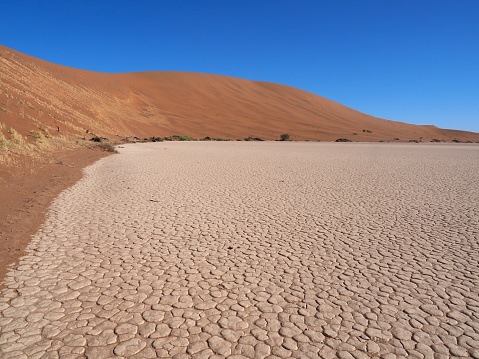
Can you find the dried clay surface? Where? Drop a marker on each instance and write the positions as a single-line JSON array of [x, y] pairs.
[[255, 250]]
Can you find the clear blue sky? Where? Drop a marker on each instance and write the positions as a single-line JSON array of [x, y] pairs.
[[411, 61]]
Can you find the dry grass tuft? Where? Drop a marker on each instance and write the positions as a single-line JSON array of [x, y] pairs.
[[14, 145], [104, 146]]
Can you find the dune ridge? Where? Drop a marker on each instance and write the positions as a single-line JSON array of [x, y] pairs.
[[40, 98]]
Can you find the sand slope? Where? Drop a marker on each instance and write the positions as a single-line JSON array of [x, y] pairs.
[[43, 97]]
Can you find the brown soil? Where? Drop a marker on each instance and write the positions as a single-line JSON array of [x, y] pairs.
[[26, 191]]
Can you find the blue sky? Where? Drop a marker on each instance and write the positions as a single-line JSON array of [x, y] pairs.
[[410, 61]]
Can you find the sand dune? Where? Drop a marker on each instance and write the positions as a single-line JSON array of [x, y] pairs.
[[43, 97]]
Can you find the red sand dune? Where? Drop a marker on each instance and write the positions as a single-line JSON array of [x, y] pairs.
[[40, 96]]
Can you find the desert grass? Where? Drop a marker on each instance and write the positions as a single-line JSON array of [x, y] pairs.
[[14, 145], [104, 146]]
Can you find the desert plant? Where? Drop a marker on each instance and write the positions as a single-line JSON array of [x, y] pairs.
[[35, 134], [343, 140], [17, 138], [107, 147], [284, 137], [3, 140], [156, 139], [179, 138]]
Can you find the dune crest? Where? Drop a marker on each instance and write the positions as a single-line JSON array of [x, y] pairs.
[[39, 97]]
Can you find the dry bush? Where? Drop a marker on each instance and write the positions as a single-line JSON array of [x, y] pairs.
[[106, 147]]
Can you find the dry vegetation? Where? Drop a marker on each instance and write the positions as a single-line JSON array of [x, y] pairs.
[[38, 144], [13, 144]]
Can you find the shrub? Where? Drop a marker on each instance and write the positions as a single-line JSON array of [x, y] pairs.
[[156, 139], [107, 147], [284, 137], [179, 138], [343, 140]]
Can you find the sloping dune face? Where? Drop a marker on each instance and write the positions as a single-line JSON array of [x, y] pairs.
[[40, 96]]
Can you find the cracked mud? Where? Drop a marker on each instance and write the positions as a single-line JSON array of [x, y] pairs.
[[255, 250]]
